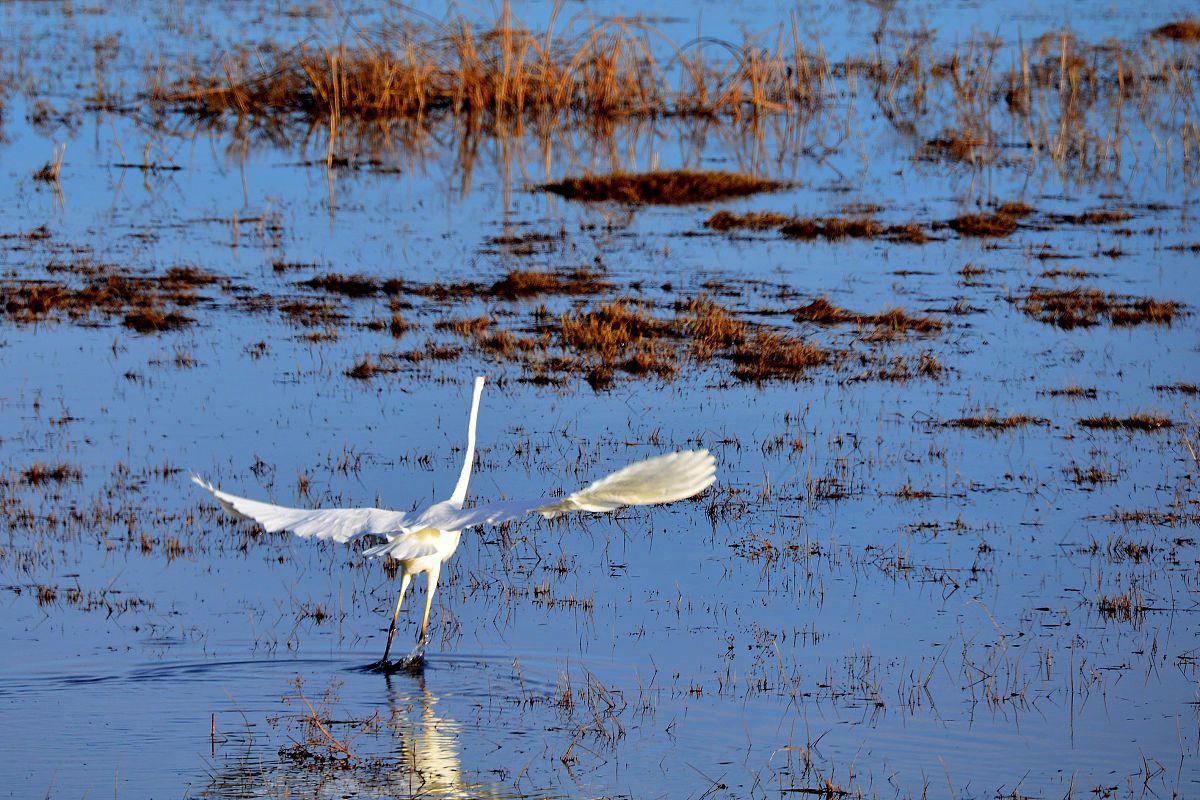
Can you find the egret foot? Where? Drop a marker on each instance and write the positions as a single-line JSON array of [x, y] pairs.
[[413, 663]]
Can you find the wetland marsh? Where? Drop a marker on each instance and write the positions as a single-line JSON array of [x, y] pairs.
[[921, 276]]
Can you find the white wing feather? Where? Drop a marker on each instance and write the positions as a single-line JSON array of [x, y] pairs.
[[663, 479], [338, 524], [404, 547]]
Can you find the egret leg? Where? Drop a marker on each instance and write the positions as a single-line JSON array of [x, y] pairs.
[[404, 581], [433, 582]]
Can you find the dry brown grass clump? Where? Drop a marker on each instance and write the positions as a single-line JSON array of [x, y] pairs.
[[1144, 310], [1185, 30], [1091, 476], [627, 337], [897, 320], [471, 326], [180, 277], [750, 220], [550, 370], [1120, 549], [612, 329], [149, 319], [1134, 422], [433, 291], [387, 363], [1002, 221], [500, 343], [1150, 516], [38, 473], [994, 422], [1083, 306], [768, 355], [900, 369], [837, 228], [520, 284], [618, 336], [929, 366], [311, 314], [829, 228], [984, 224], [1127, 606], [1072, 273], [30, 302], [833, 228], [970, 271], [516, 285], [910, 492], [674, 187], [652, 359], [908, 232], [140, 302], [368, 368], [711, 327], [397, 326], [279, 265], [432, 351], [823, 312], [1015, 209], [1097, 217], [526, 244], [506, 344], [889, 322], [1074, 391], [346, 285], [1181, 388]]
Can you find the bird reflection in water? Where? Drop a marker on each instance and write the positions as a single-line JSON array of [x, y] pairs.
[[429, 760], [422, 759]]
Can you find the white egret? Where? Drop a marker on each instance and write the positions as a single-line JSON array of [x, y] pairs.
[[422, 541]]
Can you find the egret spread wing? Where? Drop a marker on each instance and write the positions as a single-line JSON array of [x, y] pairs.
[[663, 479], [338, 524]]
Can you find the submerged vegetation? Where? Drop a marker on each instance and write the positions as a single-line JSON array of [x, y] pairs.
[[995, 224], [1134, 422], [625, 336], [614, 334], [891, 322], [676, 187], [1084, 306], [751, 220], [1185, 30], [145, 303], [994, 422], [635, 338], [767, 355]]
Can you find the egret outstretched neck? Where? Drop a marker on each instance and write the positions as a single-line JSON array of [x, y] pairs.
[[460, 490]]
